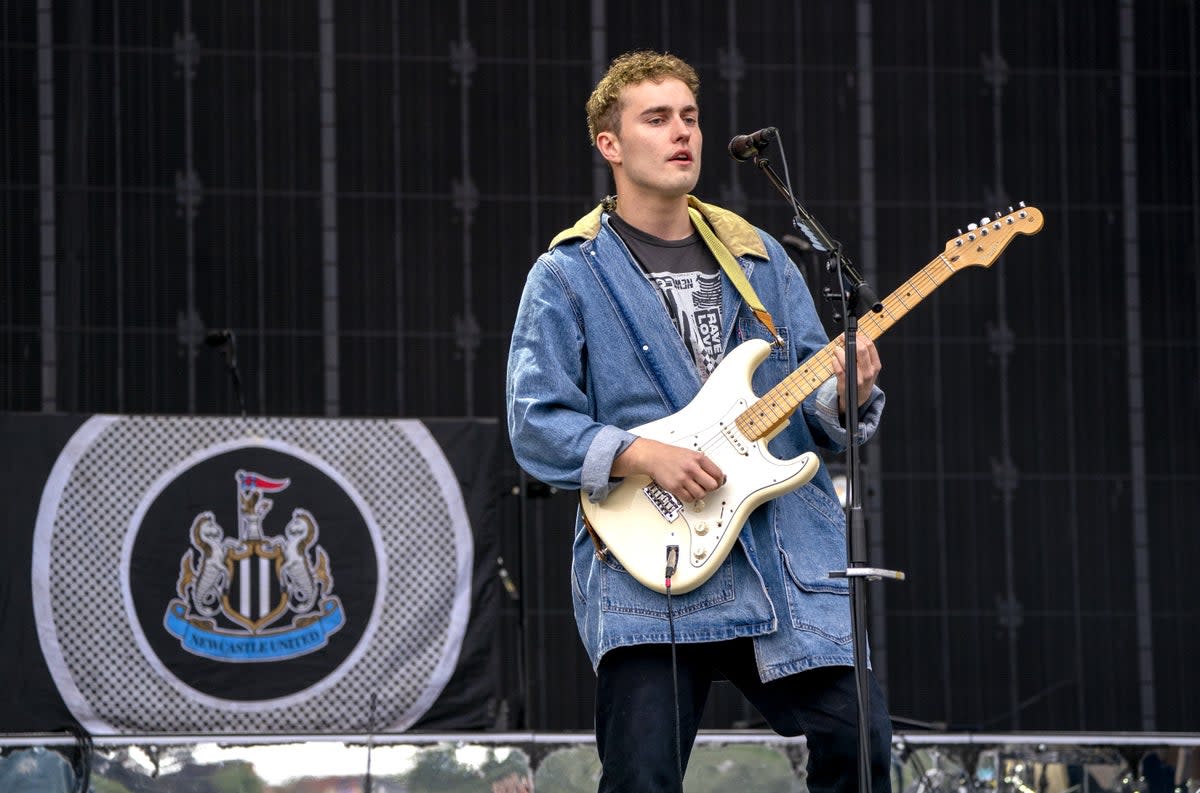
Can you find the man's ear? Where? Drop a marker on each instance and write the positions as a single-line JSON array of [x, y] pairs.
[[609, 146]]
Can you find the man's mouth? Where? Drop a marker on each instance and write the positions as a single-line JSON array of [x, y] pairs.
[[682, 156]]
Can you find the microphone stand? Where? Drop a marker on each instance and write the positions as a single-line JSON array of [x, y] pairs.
[[857, 297]]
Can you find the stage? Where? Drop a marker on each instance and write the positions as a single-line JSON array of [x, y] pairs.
[[923, 762]]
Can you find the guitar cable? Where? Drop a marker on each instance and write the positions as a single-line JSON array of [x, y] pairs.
[[672, 563]]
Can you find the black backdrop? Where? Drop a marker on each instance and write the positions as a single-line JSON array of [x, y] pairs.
[[357, 188]]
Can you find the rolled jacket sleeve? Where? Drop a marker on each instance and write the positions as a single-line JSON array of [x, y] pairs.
[[824, 408], [597, 478]]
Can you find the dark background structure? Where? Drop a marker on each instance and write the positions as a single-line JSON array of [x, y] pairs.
[[356, 189]]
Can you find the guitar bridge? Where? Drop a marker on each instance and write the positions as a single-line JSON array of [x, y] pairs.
[[667, 505]]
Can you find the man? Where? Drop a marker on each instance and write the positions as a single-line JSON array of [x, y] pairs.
[[620, 324]]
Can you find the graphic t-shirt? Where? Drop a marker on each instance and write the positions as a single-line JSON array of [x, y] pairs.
[[688, 279]]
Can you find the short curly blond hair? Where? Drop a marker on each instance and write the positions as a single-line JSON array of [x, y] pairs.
[[604, 105]]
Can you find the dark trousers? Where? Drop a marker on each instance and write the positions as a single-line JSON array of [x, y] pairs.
[[635, 715]]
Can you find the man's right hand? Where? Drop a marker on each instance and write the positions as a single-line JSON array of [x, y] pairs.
[[684, 473]]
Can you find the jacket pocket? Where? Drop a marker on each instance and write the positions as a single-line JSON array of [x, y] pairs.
[[751, 328], [808, 553], [778, 364], [621, 593]]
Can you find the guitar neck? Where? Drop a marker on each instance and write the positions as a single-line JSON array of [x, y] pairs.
[[763, 417]]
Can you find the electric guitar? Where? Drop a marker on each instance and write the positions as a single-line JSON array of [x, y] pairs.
[[640, 522]]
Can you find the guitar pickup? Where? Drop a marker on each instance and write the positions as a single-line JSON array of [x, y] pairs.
[[735, 440]]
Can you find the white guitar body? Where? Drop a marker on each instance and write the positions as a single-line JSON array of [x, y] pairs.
[[639, 521]]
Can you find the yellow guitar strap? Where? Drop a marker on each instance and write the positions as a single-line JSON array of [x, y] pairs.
[[734, 271]]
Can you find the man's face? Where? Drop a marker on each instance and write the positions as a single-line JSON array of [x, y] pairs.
[[657, 152]]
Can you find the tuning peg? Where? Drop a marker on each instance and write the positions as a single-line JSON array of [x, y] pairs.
[[972, 226]]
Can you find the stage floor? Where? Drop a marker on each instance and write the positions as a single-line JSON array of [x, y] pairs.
[[516, 762]]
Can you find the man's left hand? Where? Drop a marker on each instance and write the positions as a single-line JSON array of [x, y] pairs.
[[868, 368]]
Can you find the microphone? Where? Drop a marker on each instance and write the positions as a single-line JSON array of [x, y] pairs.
[[745, 147], [218, 338]]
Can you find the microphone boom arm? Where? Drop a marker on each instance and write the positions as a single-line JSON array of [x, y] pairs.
[[854, 283]]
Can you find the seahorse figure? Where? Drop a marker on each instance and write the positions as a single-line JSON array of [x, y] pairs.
[[210, 579], [297, 575]]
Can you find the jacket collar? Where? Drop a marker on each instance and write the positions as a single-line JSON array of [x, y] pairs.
[[739, 237]]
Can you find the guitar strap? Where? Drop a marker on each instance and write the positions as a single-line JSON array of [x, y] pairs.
[[735, 273]]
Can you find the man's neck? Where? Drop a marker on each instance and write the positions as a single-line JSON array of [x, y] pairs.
[[666, 219]]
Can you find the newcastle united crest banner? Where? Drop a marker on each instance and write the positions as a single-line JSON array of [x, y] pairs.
[[236, 575]]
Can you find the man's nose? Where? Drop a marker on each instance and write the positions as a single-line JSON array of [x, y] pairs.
[[680, 128]]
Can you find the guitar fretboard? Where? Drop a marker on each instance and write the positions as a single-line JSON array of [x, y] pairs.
[[765, 415], [980, 246]]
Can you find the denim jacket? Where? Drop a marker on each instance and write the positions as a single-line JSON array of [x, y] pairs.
[[593, 354]]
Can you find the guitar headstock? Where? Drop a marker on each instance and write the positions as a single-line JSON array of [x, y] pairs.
[[983, 243]]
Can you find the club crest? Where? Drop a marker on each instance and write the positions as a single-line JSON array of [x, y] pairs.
[[236, 593]]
